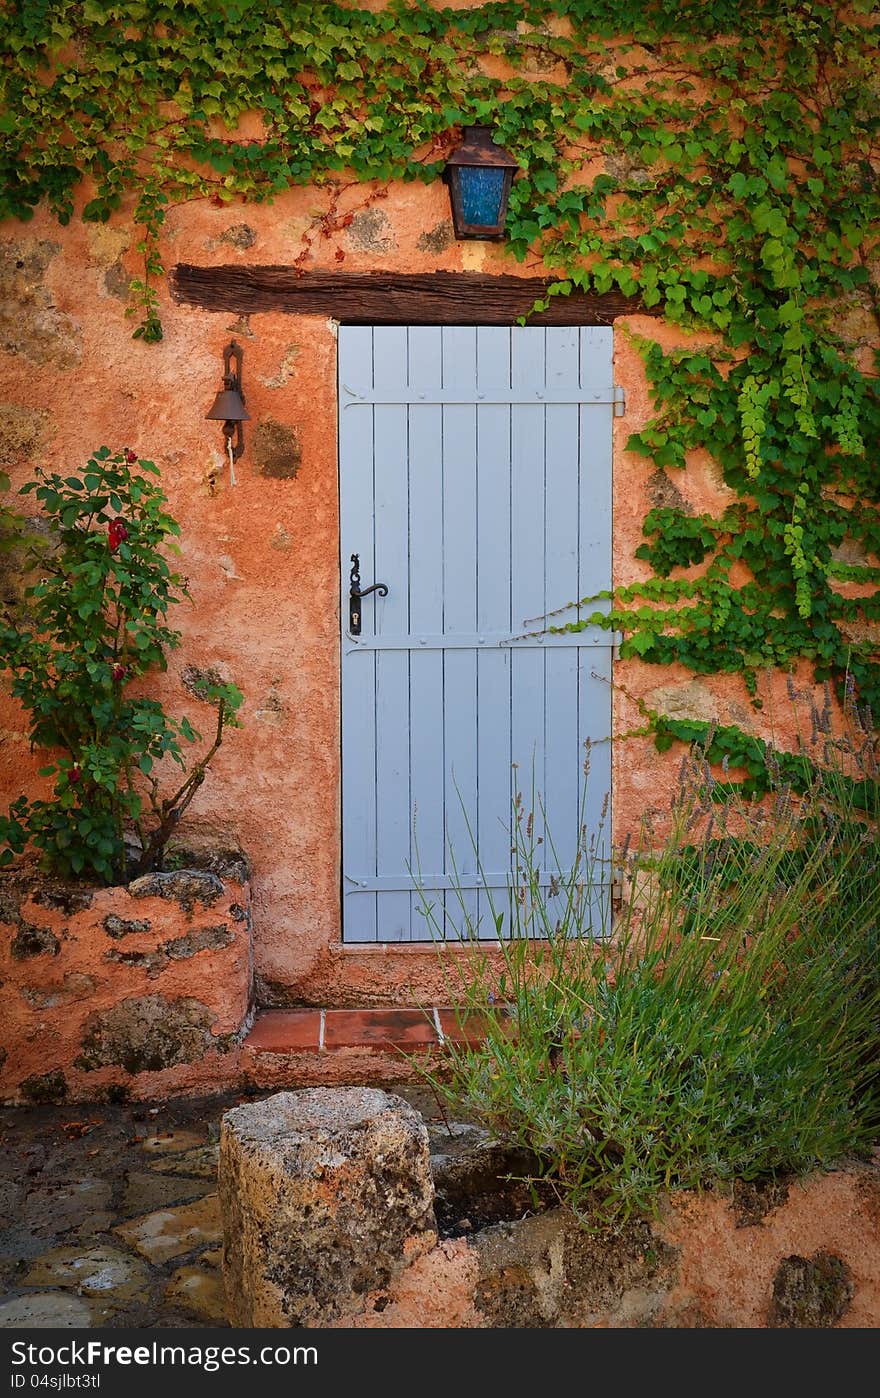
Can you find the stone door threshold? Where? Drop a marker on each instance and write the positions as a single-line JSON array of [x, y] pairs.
[[377, 1029]]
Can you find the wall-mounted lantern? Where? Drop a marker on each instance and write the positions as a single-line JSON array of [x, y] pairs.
[[479, 174], [229, 407]]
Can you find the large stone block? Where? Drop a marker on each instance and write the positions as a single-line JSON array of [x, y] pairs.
[[326, 1195]]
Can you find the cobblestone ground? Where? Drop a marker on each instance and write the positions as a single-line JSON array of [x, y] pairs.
[[109, 1214]]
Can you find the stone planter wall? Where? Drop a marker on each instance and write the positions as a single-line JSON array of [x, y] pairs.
[[330, 1198], [141, 991]]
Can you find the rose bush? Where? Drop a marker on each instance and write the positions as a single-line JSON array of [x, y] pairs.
[[95, 624]]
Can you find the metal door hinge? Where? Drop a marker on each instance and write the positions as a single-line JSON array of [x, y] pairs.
[[619, 401]]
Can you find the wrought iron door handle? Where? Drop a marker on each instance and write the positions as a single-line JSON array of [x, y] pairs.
[[356, 592]]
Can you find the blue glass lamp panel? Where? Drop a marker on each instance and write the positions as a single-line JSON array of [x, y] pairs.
[[481, 193]]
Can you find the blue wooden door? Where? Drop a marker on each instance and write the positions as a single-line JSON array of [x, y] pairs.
[[475, 478]]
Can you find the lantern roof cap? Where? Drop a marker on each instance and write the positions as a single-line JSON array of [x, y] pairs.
[[478, 148]]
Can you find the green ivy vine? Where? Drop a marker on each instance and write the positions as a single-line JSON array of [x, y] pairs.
[[718, 159]]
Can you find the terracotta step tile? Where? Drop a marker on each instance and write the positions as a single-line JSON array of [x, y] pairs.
[[382, 1029], [379, 1029], [467, 1028], [285, 1031]]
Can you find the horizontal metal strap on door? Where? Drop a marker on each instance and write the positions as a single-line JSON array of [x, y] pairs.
[[514, 397], [594, 639], [437, 883]]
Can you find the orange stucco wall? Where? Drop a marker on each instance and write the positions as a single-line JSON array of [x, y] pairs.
[[723, 1271], [262, 557]]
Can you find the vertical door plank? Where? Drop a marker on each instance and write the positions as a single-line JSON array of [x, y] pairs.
[[594, 683], [358, 668], [391, 565], [562, 783], [493, 816], [460, 727], [527, 700], [595, 711], [595, 434], [428, 850]]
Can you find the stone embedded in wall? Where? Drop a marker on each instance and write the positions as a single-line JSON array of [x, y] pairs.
[[19, 561], [627, 1272], [124, 927], [40, 1088], [810, 1292], [853, 551], [548, 1270], [206, 939], [626, 171], [371, 231], [241, 327], [693, 700], [30, 323], [665, 495], [325, 1196], [753, 1200], [34, 941], [285, 368], [534, 58], [186, 886], [147, 1033], [106, 243], [25, 433], [855, 319], [437, 239], [106, 247], [227, 566], [196, 678], [271, 710], [73, 987], [179, 949], [14, 891], [510, 1299], [238, 235], [69, 899], [209, 855], [277, 450], [117, 282]]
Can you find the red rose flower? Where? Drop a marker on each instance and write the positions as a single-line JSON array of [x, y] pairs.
[[118, 673], [116, 532], [74, 775], [130, 456]]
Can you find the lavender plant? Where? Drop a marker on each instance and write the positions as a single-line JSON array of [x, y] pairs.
[[726, 1024]]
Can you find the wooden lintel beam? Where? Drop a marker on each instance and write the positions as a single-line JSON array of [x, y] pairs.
[[393, 298]]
